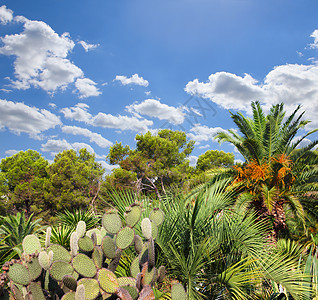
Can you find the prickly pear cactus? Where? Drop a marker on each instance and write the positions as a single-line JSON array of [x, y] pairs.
[[88, 271]]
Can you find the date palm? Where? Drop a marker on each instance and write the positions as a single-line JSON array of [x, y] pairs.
[[275, 173]]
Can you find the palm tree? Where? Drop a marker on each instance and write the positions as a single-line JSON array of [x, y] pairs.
[[275, 173]]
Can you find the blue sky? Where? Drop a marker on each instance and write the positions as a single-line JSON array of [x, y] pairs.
[[90, 73]]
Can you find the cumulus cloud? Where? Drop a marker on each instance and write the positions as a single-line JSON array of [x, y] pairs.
[[12, 152], [108, 168], [201, 133], [154, 108], [79, 113], [134, 79], [121, 122], [87, 47], [292, 84], [93, 137], [18, 117], [87, 87], [315, 36], [193, 160], [41, 58], [6, 15]]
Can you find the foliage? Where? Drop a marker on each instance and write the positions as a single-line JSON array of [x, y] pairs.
[[23, 177], [44, 273], [214, 159], [74, 181], [13, 229], [157, 162]]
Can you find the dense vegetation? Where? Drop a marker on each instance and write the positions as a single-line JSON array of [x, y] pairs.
[[231, 231]]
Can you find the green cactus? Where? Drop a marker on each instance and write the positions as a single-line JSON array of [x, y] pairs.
[[35, 291], [94, 238], [143, 255], [138, 243], [107, 281], [59, 253], [154, 230], [132, 290], [16, 292], [19, 274], [44, 260], [161, 273], [98, 235], [115, 261], [74, 243], [70, 282], [124, 281], [80, 229], [157, 216], [123, 294], [151, 253], [69, 296], [60, 269], [125, 238], [83, 265], [133, 214], [80, 292], [147, 293], [148, 275], [85, 245], [34, 268], [91, 288], [178, 292], [134, 267], [109, 247], [111, 221], [146, 228], [31, 244], [98, 257]]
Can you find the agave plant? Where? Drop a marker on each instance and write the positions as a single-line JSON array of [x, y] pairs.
[[12, 232]]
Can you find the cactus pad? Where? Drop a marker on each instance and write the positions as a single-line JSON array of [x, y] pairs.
[[123, 294], [35, 268], [132, 290], [31, 244], [133, 214], [59, 253], [109, 247], [125, 238], [151, 253], [111, 222], [125, 281], [147, 293], [80, 292], [161, 273], [107, 280], [85, 244], [16, 292], [91, 288], [138, 243], [80, 229], [157, 216], [70, 282], [35, 291], [69, 296], [134, 267], [74, 243], [148, 275], [60, 269], [178, 292], [98, 235], [154, 230], [98, 257], [44, 260], [19, 274], [146, 228], [83, 265], [143, 256]]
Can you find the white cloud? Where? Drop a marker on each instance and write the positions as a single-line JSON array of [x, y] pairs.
[[203, 133], [134, 79], [305, 142], [6, 15], [121, 122], [193, 160], [41, 58], [292, 84], [87, 88], [154, 108], [148, 93], [93, 137], [315, 36], [12, 152], [87, 47], [205, 146], [53, 105], [77, 113], [56, 146], [238, 161], [18, 117]]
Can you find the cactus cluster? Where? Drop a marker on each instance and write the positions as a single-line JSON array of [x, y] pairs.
[[87, 272]]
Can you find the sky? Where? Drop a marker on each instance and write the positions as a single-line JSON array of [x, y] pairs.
[[85, 74]]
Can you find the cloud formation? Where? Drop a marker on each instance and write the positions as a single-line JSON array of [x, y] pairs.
[[6, 15], [96, 138], [41, 58], [203, 133], [87, 47], [156, 109], [134, 79], [18, 117]]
